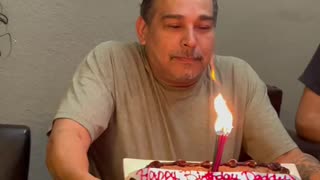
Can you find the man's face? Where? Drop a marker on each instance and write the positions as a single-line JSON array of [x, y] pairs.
[[179, 40]]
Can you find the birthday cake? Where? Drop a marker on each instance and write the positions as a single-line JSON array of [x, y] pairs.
[[232, 170]]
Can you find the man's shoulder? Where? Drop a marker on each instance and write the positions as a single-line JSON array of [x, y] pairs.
[[229, 67], [224, 63], [116, 46], [122, 53]]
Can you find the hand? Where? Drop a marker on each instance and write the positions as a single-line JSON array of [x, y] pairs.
[[307, 165], [315, 176]]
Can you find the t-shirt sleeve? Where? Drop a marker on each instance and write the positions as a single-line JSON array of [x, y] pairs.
[[311, 76], [89, 100], [265, 138]]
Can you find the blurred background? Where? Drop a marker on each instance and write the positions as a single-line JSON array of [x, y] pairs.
[[44, 41]]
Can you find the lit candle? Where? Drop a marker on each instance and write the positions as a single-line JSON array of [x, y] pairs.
[[223, 127]]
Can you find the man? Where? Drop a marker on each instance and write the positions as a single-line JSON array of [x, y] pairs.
[[308, 114], [153, 100]]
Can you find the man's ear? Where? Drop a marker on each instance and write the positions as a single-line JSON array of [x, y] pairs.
[[141, 28]]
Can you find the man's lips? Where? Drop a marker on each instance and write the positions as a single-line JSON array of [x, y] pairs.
[[186, 59]]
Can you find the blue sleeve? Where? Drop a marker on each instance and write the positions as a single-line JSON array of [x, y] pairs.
[[311, 76]]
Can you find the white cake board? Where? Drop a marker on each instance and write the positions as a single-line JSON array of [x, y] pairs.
[[132, 165]]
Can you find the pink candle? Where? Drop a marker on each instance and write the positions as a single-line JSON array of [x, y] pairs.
[[217, 161]]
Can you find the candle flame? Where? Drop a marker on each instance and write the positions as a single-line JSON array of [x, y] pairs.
[[213, 75], [223, 125]]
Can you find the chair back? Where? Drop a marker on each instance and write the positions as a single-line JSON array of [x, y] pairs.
[[14, 152]]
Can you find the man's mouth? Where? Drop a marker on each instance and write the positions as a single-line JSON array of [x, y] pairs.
[[186, 58]]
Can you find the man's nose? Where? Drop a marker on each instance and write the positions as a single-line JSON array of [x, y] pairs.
[[189, 38]]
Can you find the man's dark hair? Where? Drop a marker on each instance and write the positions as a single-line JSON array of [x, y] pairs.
[[147, 14]]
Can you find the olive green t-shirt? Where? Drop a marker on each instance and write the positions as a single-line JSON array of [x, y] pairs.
[[129, 114]]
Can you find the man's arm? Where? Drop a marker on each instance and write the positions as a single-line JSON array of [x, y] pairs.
[[67, 151], [308, 116], [307, 165]]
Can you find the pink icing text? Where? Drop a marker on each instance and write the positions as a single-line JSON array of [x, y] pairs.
[[151, 174]]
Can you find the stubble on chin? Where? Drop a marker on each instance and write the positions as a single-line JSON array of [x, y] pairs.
[[187, 74]]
